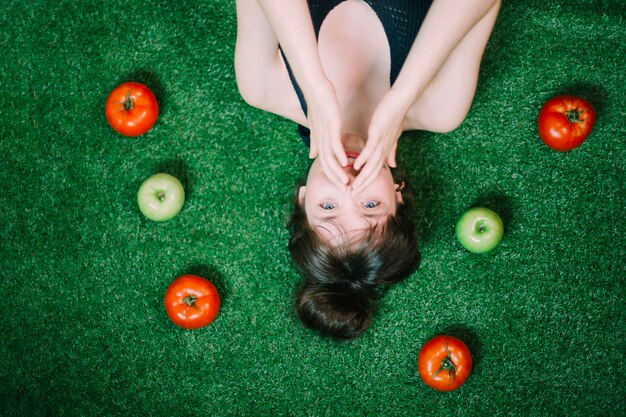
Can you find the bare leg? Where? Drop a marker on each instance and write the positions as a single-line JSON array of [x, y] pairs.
[[446, 101], [262, 77]]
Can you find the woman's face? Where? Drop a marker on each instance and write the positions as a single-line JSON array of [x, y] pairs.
[[338, 214]]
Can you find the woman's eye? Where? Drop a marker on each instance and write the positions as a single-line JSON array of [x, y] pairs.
[[327, 206], [371, 204]]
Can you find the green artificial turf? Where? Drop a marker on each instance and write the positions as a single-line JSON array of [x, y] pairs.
[[82, 274]]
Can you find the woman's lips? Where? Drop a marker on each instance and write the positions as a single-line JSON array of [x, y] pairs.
[[352, 156]]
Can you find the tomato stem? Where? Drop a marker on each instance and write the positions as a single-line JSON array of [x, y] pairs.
[[190, 300], [447, 365], [573, 116], [128, 102]]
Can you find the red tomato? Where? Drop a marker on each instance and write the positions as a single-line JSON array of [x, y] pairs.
[[191, 301], [565, 122], [444, 363], [131, 109]]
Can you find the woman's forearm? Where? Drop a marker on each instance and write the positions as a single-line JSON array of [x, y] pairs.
[[291, 22], [445, 26]]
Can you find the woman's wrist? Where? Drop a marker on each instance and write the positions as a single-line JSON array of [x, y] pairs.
[[403, 98], [315, 87]]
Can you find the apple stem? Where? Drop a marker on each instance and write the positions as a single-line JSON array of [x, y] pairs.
[[161, 195]]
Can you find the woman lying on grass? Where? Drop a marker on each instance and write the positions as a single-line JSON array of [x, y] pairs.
[[354, 75]]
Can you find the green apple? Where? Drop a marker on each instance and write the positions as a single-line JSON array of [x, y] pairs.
[[479, 230], [161, 197]]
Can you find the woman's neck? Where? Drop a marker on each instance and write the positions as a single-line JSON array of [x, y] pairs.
[[350, 43]]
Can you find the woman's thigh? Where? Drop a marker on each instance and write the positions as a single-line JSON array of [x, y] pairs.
[[262, 77], [444, 104]]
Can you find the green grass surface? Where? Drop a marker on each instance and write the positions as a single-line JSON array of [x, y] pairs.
[[83, 273]]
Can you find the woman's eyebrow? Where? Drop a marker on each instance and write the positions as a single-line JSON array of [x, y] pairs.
[[374, 215], [333, 217], [328, 218]]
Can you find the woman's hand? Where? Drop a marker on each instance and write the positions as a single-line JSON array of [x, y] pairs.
[[382, 139], [325, 124], [291, 27]]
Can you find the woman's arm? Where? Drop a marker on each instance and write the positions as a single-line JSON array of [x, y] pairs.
[[447, 23], [291, 24], [262, 77], [451, 28]]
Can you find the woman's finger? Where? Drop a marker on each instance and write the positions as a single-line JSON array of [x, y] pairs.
[[333, 170], [313, 151], [391, 157], [339, 152], [364, 155], [369, 172], [366, 177], [336, 159]]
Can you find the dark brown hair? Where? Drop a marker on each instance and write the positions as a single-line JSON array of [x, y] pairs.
[[341, 283]]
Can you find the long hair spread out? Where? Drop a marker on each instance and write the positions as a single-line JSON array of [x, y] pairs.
[[341, 283]]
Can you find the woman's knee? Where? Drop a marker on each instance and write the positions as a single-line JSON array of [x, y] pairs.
[[249, 83], [441, 121], [447, 123]]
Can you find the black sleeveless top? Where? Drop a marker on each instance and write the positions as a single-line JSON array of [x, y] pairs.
[[401, 20]]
